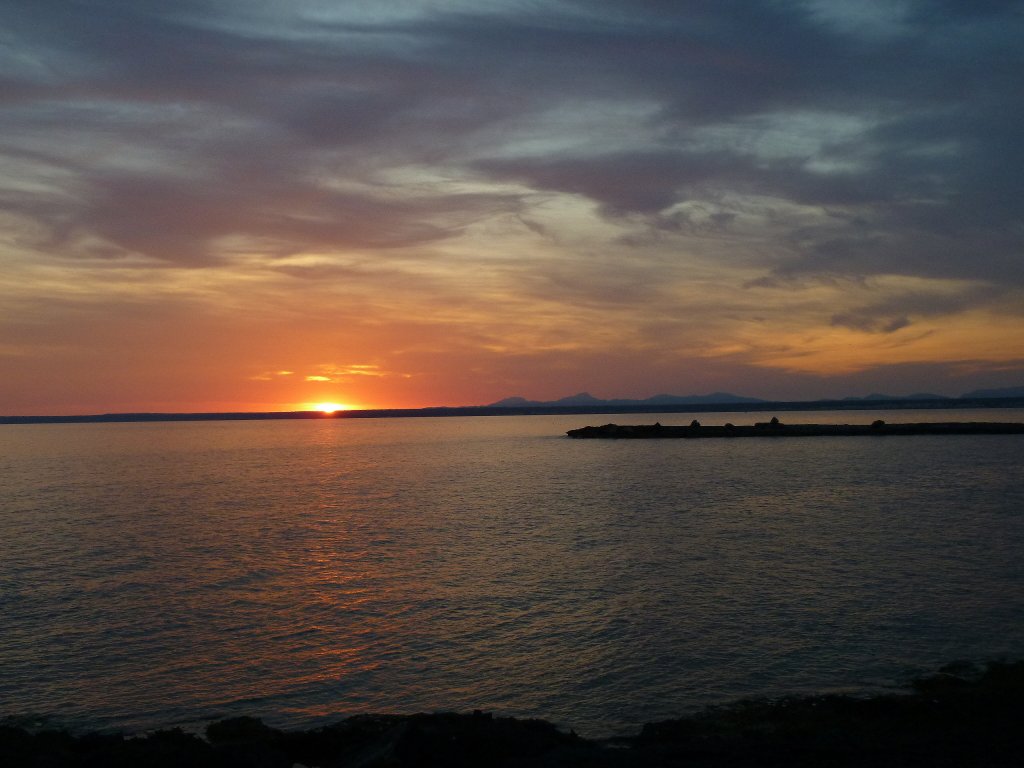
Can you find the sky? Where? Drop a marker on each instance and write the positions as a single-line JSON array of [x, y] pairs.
[[230, 205]]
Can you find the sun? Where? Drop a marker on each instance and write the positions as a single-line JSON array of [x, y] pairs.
[[329, 407]]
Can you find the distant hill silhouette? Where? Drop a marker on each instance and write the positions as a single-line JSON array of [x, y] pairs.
[[916, 396], [588, 400]]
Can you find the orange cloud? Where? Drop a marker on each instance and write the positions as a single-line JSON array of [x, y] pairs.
[[836, 351]]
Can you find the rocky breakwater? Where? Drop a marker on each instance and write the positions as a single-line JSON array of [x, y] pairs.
[[776, 428]]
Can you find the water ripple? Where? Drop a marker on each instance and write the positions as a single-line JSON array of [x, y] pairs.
[[160, 574]]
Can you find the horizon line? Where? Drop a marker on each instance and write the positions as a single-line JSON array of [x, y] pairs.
[[856, 403]]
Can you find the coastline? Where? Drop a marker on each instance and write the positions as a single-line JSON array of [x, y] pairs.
[[963, 715], [989, 403]]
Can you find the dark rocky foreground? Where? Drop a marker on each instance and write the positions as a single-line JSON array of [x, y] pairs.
[[775, 428], [960, 717]]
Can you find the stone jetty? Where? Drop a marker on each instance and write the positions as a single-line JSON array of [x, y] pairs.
[[776, 428]]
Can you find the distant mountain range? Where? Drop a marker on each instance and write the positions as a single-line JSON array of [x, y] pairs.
[[587, 400]]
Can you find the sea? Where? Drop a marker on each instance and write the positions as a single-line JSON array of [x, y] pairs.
[[160, 575]]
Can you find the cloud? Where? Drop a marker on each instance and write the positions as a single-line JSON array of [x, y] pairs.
[[571, 175], [270, 375], [334, 372], [869, 324], [308, 99]]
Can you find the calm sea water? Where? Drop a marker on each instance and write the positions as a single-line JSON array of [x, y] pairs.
[[167, 574]]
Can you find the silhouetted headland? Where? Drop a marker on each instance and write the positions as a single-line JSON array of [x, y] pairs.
[[963, 716], [776, 428]]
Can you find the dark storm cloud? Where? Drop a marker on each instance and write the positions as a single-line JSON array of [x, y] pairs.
[[928, 185]]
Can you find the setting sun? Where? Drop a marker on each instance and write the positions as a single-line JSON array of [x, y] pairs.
[[329, 407]]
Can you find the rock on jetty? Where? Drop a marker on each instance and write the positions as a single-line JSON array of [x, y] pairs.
[[776, 428]]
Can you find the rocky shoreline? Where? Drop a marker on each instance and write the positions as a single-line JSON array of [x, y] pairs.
[[962, 716], [775, 428]]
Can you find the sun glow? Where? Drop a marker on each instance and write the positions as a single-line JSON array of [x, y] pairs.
[[329, 407]]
